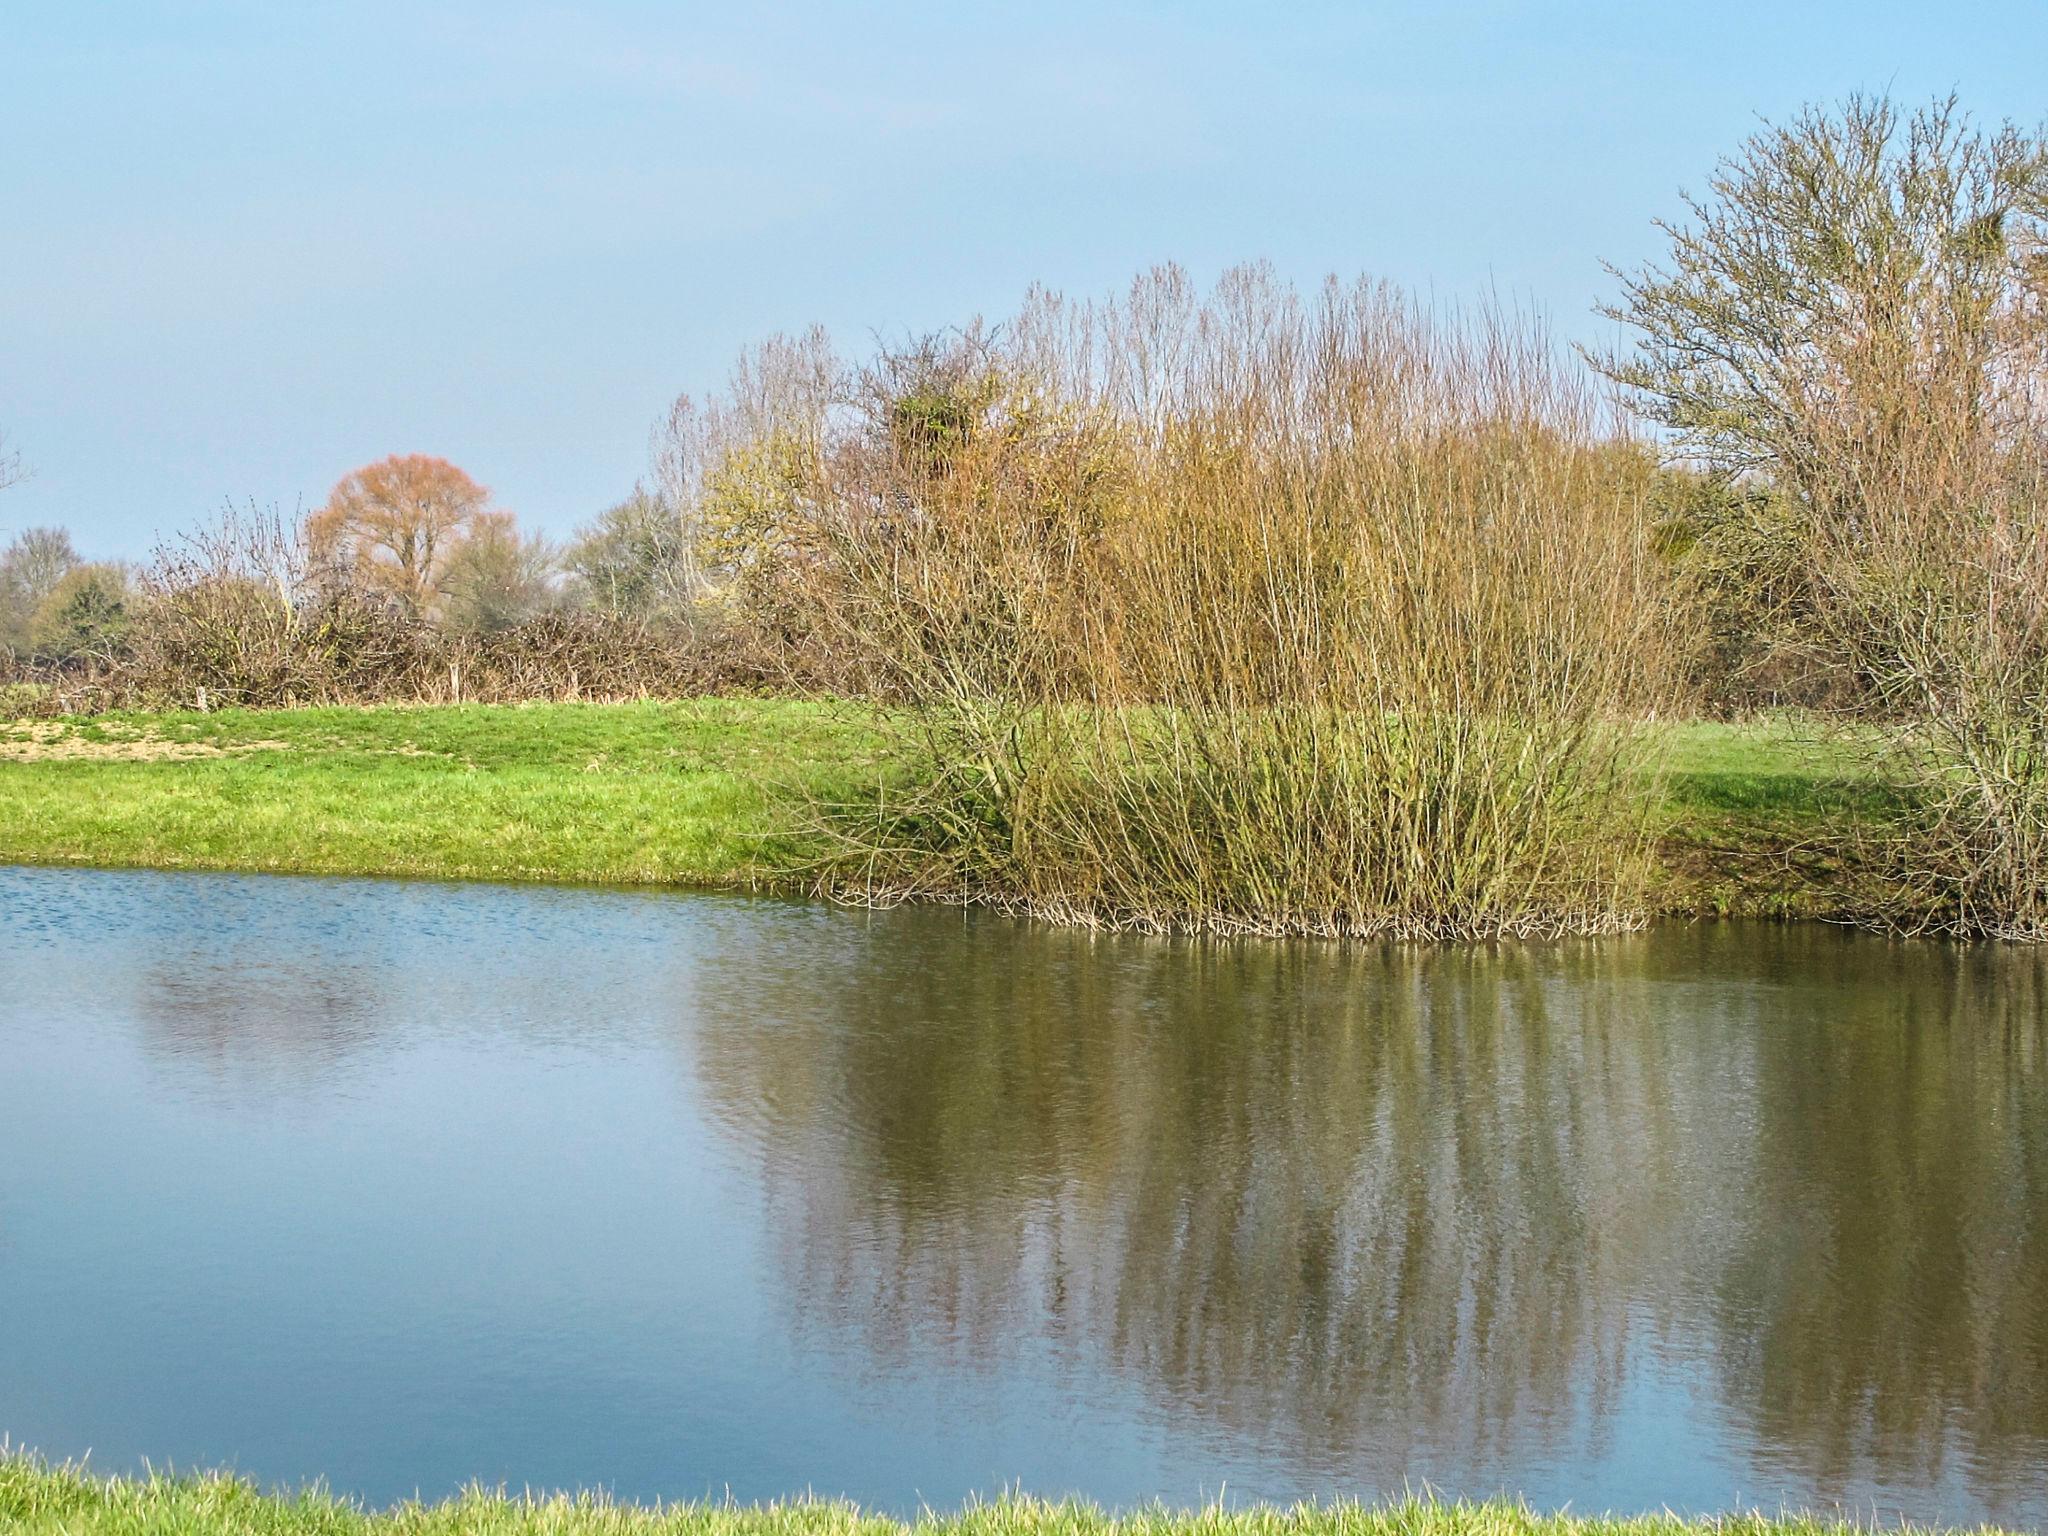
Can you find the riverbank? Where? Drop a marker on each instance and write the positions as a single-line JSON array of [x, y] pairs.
[[690, 793], [36, 1500]]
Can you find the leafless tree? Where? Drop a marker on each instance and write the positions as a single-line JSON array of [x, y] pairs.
[[393, 526]]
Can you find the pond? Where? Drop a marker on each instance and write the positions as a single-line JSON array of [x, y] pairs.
[[403, 1185]]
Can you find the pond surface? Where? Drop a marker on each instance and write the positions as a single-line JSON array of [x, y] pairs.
[[404, 1185]]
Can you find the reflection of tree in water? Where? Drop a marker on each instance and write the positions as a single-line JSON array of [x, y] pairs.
[[1390, 1203], [331, 981], [1365, 1198], [1885, 1312], [261, 1024]]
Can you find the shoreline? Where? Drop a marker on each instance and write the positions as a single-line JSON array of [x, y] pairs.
[[691, 795]]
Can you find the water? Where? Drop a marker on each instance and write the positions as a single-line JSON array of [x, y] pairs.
[[405, 1185]]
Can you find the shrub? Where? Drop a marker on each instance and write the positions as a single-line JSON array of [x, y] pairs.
[[1742, 577], [33, 563], [1248, 615], [239, 613]]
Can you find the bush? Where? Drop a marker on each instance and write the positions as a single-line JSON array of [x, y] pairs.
[[1248, 615], [238, 613], [1742, 576]]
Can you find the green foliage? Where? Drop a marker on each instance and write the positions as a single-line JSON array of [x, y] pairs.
[[85, 614], [756, 527], [931, 425], [929, 401], [31, 566]]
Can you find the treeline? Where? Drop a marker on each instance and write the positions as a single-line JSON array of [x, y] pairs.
[[1262, 610], [407, 584]]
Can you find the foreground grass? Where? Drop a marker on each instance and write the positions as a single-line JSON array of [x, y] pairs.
[[38, 1500], [691, 793]]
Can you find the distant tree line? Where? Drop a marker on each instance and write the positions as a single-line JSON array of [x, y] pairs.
[[407, 577]]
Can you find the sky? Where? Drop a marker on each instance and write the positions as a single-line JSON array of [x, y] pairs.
[[247, 246]]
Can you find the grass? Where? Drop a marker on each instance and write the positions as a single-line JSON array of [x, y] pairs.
[[692, 793], [40, 1500], [1749, 809], [644, 794]]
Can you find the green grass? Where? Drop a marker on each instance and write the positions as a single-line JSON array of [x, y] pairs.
[[695, 793], [1750, 809], [680, 793], [38, 1500]]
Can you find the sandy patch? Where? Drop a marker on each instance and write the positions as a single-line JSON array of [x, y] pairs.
[[42, 741]]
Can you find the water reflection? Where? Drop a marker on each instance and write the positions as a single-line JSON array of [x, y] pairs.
[[406, 1185], [259, 1028], [1386, 1210], [1885, 1306]]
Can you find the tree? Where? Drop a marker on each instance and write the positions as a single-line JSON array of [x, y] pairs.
[[1857, 318], [394, 526], [85, 614], [11, 472], [31, 566], [636, 560], [737, 470], [497, 577], [1845, 275]]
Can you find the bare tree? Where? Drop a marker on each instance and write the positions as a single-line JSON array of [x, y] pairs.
[[727, 466], [32, 566], [497, 577], [394, 525], [636, 560], [1858, 315], [1835, 265]]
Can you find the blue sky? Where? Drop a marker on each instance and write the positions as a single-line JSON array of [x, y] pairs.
[[247, 246]]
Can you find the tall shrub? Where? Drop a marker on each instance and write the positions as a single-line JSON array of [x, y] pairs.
[[1246, 614]]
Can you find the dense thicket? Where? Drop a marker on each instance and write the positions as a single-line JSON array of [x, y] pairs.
[[1242, 611], [254, 608]]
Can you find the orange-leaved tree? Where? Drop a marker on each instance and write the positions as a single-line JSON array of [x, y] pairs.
[[394, 525]]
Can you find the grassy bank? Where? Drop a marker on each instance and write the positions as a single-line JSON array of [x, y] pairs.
[[625, 793], [693, 793], [39, 1501]]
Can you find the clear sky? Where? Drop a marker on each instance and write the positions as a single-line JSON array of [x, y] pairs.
[[245, 246]]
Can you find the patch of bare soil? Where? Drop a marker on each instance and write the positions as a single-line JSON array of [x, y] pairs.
[[39, 741]]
